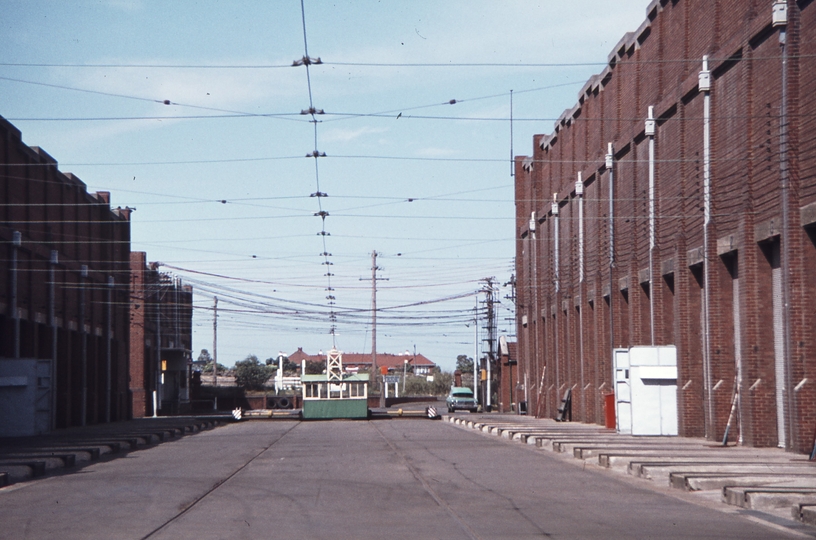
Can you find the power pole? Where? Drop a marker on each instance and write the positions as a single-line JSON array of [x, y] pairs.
[[476, 349], [512, 321], [157, 393], [374, 279], [374, 317], [490, 327], [374, 321], [215, 342], [512, 298]]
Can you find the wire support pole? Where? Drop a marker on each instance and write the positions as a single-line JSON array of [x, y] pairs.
[[579, 193], [610, 167], [650, 132], [534, 317], [557, 293], [784, 177], [704, 85]]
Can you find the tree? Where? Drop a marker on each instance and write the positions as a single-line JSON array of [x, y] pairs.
[[464, 363], [442, 382], [420, 386], [315, 368], [417, 386], [204, 363], [251, 374], [288, 366], [208, 368]]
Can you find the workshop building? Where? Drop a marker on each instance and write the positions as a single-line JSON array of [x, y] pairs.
[[64, 274], [675, 205]]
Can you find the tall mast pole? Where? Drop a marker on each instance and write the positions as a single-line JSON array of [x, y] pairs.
[[374, 312], [374, 322], [215, 341]]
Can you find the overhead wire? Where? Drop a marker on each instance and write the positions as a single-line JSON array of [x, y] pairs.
[[407, 116], [237, 66], [306, 62], [166, 102]]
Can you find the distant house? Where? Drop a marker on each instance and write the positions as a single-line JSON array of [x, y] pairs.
[[418, 363]]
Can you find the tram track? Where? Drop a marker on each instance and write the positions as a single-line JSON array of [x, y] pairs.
[[426, 485], [218, 484]]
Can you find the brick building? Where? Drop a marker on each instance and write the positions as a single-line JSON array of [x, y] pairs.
[[695, 229], [63, 296], [161, 338]]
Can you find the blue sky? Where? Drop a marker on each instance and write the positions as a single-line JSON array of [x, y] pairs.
[[429, 190]]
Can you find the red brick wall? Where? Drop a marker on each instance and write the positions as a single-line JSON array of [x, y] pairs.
[[54, 212], [658, 65]]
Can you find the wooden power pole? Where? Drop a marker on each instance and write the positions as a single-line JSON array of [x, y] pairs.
[[374, 278], [215, 342]]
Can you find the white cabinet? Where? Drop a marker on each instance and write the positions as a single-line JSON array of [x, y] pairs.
[[647, 376], [623, 392]]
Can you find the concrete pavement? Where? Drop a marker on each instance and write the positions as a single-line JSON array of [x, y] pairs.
[[777, 483], [407, 478], [66, 450]]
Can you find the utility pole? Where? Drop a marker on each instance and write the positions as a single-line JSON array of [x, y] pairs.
[[215, 342], [157, 392], [476, 349], [490, 327], [374, 319], [610, 163], [512, 298], [512, 320], [374, 279]]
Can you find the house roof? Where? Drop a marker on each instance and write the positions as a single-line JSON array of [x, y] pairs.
[[356, 377], [392, 361]]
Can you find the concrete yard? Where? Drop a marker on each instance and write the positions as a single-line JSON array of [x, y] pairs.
[[775, 485], [390, 478]]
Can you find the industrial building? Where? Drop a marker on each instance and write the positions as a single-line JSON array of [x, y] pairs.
[[673, 207], [161, 337], [89, 332], [64, 275]]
